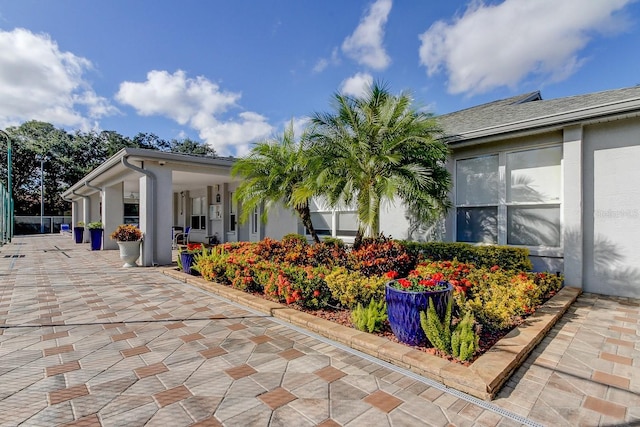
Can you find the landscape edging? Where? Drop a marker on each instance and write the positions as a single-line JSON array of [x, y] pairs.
[[482, 379]]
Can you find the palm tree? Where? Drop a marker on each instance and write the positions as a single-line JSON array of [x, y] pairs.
[[375, 148], [273, 171]]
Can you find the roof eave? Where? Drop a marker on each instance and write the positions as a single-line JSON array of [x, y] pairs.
[[588, 115]]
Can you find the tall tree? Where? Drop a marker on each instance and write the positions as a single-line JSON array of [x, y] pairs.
[[272, 172], [69, 157], [189, 146], [378, 147]]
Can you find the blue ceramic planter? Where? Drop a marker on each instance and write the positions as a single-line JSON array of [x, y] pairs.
[[403, 311], [78, 234], [187, 260], [96, 238]]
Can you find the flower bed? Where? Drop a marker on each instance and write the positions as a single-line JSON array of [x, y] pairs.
[[329, 280]]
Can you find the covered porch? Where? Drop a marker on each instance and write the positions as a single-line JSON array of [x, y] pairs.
[[163, 194]]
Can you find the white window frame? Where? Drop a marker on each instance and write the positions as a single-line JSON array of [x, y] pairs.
[[201, 212], [503, 205]]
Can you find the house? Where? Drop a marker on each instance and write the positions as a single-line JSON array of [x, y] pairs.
[[558, 176]]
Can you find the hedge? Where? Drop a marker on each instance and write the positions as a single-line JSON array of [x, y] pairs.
[[507, 257]]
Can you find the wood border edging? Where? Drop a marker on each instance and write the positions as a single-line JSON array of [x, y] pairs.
[[482, 379]]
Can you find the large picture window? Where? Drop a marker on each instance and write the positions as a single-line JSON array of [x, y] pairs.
[[510, 198]]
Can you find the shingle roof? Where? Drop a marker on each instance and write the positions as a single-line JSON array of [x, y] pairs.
[[526, 107]]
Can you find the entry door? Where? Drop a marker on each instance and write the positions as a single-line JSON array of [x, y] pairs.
[[232, 219], [254, 224]]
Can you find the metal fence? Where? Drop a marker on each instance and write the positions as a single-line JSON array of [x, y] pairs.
[[39, 225]]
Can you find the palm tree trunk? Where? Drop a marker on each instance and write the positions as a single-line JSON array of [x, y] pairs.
[[305, 215]]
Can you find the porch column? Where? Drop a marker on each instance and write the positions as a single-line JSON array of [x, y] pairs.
[[156, 214], [86, 216], [573, 226], [112, 213]]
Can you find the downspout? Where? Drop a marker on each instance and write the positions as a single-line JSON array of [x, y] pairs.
[[152, 205], [93, 187]]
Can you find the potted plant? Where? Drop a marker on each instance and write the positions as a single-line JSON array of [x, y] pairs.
[[95, 232], [128, 237], [187, 254], [407, 297], [78, 232]]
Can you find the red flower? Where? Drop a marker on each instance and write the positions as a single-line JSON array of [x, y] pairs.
[[495, 268], [404, 283], [391, 274], [316, 293]]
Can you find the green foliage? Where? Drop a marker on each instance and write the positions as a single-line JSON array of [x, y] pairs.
[[95, 225], [333, 241], [438, 331], [276, 172], [68, 158], [370, 318], [375, 257], [507, 257], [464, 338], [351, 288], [499, 297], [376, 148], [461, 343]]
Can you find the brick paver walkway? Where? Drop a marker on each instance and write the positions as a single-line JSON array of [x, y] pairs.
[[84, 342]]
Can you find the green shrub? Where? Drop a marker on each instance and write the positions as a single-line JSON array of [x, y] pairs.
[[464, 338], [333, 241], [507, 257], [498, 297], [211, 265], [352, 287], [438, 331], [370, 318]]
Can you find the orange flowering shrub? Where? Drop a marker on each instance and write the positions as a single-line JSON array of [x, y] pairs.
[[375, 257], [303, 286]]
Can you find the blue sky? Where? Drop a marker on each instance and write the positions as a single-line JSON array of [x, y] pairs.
[[233, 72]]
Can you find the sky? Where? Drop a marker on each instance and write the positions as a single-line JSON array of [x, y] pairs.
[[230, 73]]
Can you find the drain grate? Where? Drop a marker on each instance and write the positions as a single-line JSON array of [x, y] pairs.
[[14, 256]]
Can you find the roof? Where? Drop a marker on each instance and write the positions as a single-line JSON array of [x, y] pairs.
[[530, 111], [113, 168]]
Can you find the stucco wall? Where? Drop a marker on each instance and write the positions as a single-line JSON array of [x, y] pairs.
[[612, 208], [280, 222]]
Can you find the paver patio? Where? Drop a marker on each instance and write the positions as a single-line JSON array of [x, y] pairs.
[[85, 342]]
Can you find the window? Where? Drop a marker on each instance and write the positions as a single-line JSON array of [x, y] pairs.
[[254, 220], [477, 196], [510, 198], [232, 213], [198, 213], [346, 223]]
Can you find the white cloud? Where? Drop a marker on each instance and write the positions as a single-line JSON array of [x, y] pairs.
[[365, 44], [198, 103], [357, 85], [323, 63], [40, 82], [499, 45], [300, 124]]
